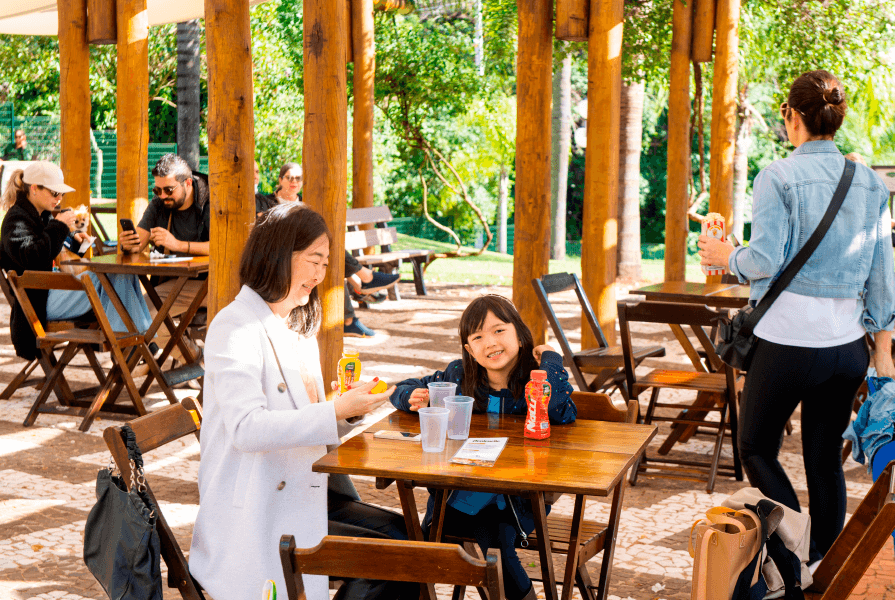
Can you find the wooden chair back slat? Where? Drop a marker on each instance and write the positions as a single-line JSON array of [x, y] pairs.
[[860, 540], [595, 406], [19, 291], [7, 290], [380, 236], [152, 431], [48, 280], [391, 560], [355, 217]]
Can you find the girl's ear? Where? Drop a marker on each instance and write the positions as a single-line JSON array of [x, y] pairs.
[[466, 347]]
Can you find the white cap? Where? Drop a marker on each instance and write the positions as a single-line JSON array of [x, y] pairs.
[[46, 174]]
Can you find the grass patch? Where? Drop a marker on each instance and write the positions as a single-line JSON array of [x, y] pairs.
[[494, 268]]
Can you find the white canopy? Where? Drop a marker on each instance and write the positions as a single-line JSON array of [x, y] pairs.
[[39, 17]]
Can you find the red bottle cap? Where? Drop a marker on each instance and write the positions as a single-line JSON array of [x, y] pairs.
[[538, 375]]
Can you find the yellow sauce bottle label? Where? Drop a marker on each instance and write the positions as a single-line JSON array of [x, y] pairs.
[[349, 371]]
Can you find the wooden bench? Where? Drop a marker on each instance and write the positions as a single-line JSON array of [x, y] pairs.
[[357, 239]]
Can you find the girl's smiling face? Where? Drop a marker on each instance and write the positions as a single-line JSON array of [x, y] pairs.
[[495, 346]]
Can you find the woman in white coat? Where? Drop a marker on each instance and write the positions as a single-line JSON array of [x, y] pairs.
[[266, 419]]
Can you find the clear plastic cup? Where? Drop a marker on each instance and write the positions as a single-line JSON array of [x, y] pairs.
[[459, 415], [433, 428], [438, 391]]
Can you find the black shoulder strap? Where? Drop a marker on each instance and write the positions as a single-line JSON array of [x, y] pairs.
[[805, 253]]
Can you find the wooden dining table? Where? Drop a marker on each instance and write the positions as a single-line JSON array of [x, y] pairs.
[[141, 265], [586, 458]]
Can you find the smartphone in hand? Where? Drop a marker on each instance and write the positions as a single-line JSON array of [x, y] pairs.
[[733, 240], [127, 225]]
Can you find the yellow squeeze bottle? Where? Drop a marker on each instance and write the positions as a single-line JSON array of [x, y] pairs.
[[349, 370]]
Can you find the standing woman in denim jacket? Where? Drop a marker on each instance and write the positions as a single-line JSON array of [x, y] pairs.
[[810, 349]]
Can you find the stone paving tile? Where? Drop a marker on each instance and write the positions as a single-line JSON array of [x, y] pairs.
[[48, 471]]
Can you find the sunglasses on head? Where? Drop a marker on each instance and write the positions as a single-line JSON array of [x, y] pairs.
[[785, 106], [167, 190], [52, 193]]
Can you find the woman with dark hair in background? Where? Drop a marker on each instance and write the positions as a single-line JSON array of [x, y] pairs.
[[267, 421], [810, 350]]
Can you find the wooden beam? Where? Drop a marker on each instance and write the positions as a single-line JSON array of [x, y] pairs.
[[678, 176], [703, 30], [231, 144], [724, 110], [534, 83], [325, 158], [572, 20], [74, 101], [599, 235], [132, 106], [102, 26], [364, 79]]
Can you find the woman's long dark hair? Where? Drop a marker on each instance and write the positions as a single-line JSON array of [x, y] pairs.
[[475, 377], [266, 263]]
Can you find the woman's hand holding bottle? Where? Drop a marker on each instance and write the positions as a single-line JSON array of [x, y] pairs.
[[358, 400]]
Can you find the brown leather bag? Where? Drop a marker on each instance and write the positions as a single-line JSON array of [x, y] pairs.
[[722, 545]]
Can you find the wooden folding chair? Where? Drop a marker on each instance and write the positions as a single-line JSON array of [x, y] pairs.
[[74, 340], [152, 431], [390, 560], [858, 544], [604, 362], [717, 391]]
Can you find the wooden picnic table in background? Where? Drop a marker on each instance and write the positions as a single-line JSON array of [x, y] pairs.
[[586, 458], [140, 265]]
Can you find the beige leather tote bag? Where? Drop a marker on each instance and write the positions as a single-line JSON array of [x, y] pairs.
[[722, 545]]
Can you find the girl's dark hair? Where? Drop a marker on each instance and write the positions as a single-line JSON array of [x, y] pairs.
[[820, 99], [475, 377], [266, 263], [283, 170]]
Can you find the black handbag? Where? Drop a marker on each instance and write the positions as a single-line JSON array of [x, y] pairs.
[[121, 543], [736, 342]]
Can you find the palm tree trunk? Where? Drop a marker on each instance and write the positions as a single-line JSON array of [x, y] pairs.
[[629, 181], [502, 185], [741, 166], [561, 145], [188, 103]]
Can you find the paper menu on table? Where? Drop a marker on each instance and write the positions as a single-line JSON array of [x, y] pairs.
[[480, 452]]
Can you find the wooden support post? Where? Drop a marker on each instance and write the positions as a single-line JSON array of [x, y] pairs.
[[325, 158], [724, 112], [132, 106], [599, 230], [572, 20], [231, 144], [364, 79], [74, 101], [349, 27], [678, 177], [102, 26], [703, 30], [534, 91]]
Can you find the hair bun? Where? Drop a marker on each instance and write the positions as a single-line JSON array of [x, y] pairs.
[[833, 96]]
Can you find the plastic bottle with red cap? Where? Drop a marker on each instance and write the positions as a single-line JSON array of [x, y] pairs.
[[537, 395]]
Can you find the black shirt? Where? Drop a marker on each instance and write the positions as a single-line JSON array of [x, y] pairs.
[[190, 225]]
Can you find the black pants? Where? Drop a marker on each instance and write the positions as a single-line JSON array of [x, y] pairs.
[[824, 382], [356, 519], [493, 528]]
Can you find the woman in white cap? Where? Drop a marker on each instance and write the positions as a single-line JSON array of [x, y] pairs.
[[30, 238]]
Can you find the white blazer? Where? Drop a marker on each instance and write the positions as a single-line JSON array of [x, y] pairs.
[[259, 440]]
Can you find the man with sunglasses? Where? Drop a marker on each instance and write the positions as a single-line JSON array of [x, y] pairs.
[[177, 221]]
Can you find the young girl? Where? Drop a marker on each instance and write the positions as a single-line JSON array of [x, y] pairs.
[[498, 358]]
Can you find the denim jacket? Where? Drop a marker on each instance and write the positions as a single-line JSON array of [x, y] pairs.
[[855, 258]]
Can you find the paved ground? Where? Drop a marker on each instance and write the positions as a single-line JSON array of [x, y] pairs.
[[47, 472]]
